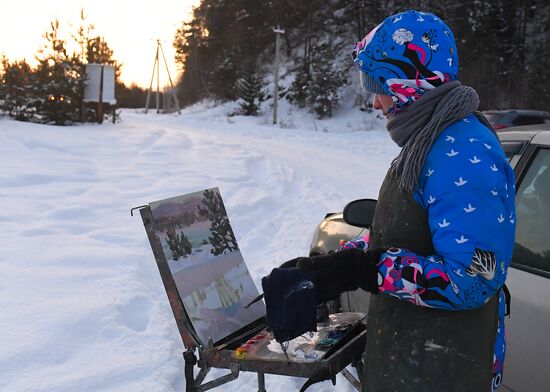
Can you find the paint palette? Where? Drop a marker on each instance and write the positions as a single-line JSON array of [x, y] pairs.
[[306, 348]]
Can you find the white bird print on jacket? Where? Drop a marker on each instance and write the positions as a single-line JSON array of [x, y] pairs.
[[450, 139], [430, 172], [461, 240], [444, 223], [452, 153], [469, 208], [494, 167], [431, 200], [475, 159], [460, 182], [500, 219]]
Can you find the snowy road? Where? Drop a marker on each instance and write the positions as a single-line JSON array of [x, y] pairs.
[[83, 306]]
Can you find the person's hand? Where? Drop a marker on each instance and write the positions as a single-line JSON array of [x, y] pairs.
[[342, 271], [293, 263], [290, 299], [304, 263]]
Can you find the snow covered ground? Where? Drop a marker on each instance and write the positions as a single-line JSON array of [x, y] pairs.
[[82, 304]]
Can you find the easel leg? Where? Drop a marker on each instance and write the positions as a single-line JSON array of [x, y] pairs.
[[261, 382], [190, 362]]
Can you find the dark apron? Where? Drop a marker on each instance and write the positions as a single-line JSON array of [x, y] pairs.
[[414, 348]]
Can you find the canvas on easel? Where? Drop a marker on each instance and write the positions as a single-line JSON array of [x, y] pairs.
[[205, 262]]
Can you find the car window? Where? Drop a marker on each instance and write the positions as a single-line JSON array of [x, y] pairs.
[[532, 247], [513, 148], [527, 120]]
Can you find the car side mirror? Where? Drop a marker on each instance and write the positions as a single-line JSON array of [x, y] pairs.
[[360, 212]]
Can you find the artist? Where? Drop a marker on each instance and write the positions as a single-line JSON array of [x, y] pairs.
[[443, 230]]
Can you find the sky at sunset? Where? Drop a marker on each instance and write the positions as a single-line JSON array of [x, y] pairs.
[[130, 27]]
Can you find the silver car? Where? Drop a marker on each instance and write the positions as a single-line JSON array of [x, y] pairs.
[[528, 327]]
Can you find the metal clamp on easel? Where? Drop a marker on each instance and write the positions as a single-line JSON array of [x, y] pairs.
[[212, 297]]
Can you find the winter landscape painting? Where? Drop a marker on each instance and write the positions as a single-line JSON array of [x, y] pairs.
[[205, 261]]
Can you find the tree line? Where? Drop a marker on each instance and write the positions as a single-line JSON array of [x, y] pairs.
[[52, 91], [226, 51]]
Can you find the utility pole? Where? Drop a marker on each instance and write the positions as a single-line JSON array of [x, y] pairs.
[[278, 32], [152, 78], [170, 80], [156, 67], [158, 78]]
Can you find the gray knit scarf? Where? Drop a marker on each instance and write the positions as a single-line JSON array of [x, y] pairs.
[[417, 126]]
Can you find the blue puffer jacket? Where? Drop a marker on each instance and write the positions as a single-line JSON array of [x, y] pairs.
[[466, 185], [471, 215]]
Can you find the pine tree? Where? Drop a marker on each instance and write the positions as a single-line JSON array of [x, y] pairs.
[[82, 35], [251, 92], [222, 238], [223, 77], [326, 81], [59, 81], [16, 101], [298, 91]]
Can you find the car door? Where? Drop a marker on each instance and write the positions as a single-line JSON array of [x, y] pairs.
[[528, 328]]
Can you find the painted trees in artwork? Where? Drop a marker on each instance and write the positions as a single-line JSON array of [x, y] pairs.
[[179, 244], [221, 236]]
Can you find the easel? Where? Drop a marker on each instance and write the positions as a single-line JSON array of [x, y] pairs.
[[222, 354], [156, 67]]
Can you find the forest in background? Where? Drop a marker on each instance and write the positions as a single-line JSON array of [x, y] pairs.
[[226, 51], [52, 91]]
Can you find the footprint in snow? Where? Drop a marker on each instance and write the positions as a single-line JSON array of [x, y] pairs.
[[135, 314]]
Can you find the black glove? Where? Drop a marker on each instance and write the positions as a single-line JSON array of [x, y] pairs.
[[342, 271], [290, 299], [292, 263]]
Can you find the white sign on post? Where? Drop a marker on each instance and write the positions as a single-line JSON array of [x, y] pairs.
[[93, 83]]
